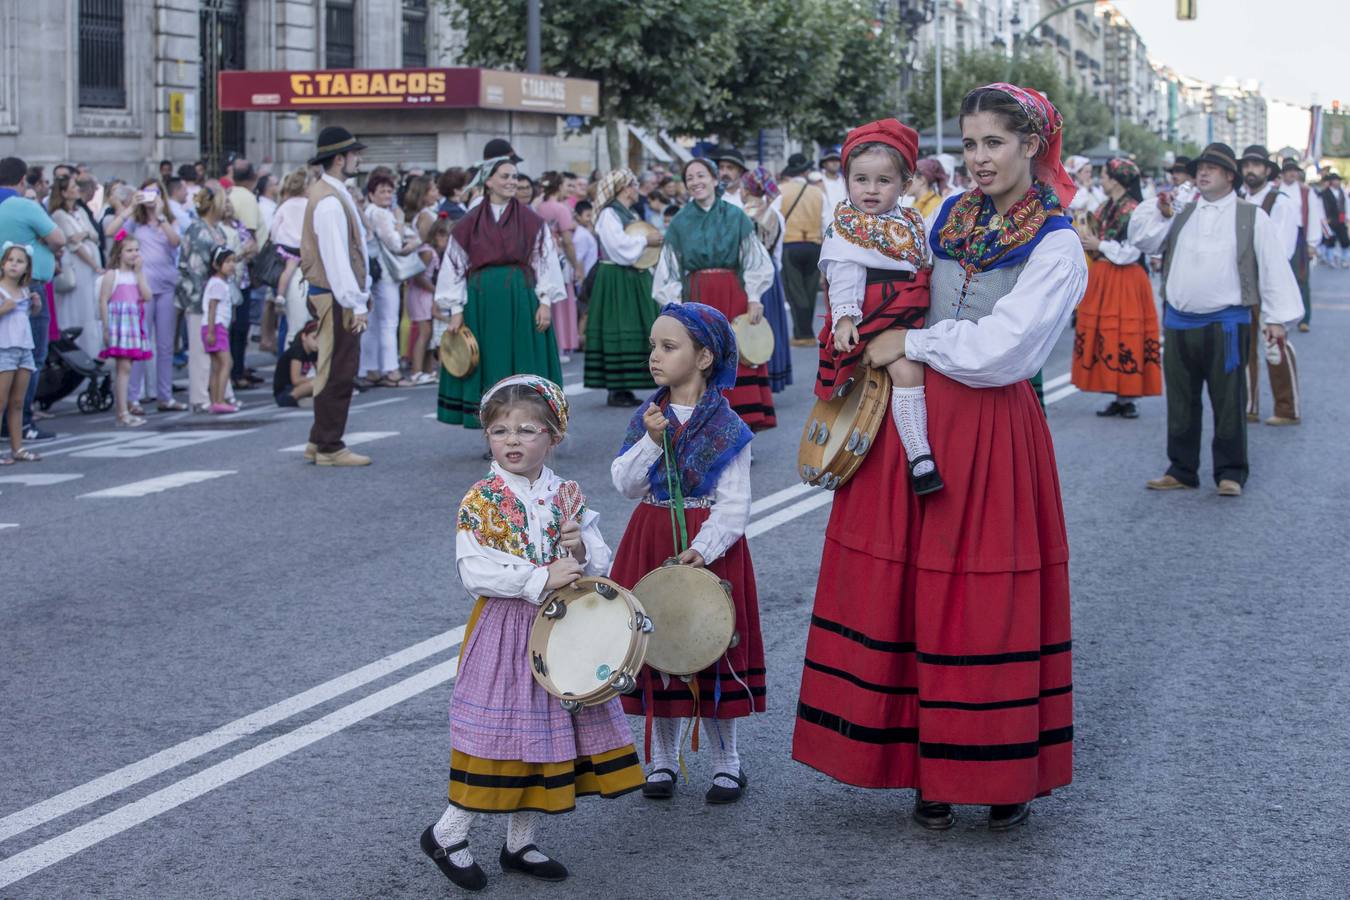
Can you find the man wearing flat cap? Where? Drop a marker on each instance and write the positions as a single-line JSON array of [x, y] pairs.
[[731, 167], [1183, 188], [1222, 260], [1335, 240], [333, 260], [832, 180], [1259, 174], [1294, 185]]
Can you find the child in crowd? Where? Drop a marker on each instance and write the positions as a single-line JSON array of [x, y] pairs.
[[877, 265], [219, 311], [523, 532], [293, 380], [426, 328], [687, 431], [17, 367], [122, 296]]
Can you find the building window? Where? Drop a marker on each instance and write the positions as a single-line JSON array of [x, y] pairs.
[[414, 34], [339, 20], [101, 52]]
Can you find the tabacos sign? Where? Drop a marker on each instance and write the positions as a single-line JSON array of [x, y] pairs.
[[456, 88]]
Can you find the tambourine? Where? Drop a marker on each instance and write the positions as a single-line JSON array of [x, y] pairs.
[[459, 352]]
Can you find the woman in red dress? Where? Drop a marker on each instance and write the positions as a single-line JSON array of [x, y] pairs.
[[712, 255], [939, 651]]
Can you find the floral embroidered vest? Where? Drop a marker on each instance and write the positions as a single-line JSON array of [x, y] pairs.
[[500, 520]]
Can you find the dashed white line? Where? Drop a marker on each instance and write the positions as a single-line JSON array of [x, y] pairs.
[[35, 479], [36, 858], [4, 525], [351, 440], [162, 483], [1067, 391], [159, 442], [1055, 382], [788, 513], [123, 778], [779, 497]]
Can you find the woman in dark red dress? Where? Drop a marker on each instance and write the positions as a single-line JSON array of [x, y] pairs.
[[713, 255], [939, 651]]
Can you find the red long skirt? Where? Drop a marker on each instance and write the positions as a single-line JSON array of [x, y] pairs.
[[886, 304], [751, 397], [734, 686], [1115, 345], [939, 653]]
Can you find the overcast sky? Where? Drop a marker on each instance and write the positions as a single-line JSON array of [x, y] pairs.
[[1297, 49]]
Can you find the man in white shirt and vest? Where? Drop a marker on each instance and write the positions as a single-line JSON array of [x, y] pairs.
[[1293, 184], [832, 180], [333, 260], [1223, 258], [1335, 237], [1259, 187]]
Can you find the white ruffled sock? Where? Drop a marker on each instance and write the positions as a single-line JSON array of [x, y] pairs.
[[911, 419], [720, 739], [520, 828], [665, 749], [452, 828]]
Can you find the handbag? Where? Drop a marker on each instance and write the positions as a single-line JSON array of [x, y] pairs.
[[64, 282], [267, 266], [400, 268]]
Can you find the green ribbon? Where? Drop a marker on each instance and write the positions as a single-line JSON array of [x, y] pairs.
[[676, 491]]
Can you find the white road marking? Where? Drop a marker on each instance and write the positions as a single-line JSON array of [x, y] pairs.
[[81, 437], [105, 441], [1067, 391], [576, 390], [354, 439], [147, 444], [1055, 382], [36, 858], [33, 479], [123, 778], [779, 497], [788, 513], [9, 524], [162, 483], [365, 406]]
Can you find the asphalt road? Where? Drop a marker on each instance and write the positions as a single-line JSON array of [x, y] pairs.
[[233, 682]]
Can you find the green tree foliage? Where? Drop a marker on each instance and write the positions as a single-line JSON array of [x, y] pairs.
[[656, 61]]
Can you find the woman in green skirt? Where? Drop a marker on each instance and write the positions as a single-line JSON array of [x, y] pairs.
[[621, 309], [499, 277]]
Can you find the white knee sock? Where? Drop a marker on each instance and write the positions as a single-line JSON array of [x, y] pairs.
[[665, 747], [520, 828], [452, 828], [720, 737], [911, 419]]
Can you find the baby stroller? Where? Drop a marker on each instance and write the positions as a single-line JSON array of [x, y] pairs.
[[67, 368]]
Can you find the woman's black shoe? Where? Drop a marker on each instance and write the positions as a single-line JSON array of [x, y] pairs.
[[1128, 410], [623, 398], [548, 870], [1003, 817], [932, 815], [718, 794], [1114, 408], [469, 877], [659, 790], [930, 481]]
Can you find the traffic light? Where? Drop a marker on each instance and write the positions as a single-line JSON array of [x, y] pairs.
[[1186, 9]]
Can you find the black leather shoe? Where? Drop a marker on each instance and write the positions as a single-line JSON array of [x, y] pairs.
[[718, 794], [548, 870], [932, 815], [1003, 817], [659, 790], [1112, 409], [928, 483], [1128, 410], [469, 877]]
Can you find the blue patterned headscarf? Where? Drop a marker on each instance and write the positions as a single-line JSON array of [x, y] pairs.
[[706, 444]]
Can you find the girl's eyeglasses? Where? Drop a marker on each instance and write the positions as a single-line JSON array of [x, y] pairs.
[[524, 432]]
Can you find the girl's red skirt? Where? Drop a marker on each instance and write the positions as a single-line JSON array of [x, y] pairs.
[[751, 397], [893, 299], [734, 686], [939, 653]]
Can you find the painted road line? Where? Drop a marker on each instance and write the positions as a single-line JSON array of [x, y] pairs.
[[576, 390], [160, 484], [355, 439], [102, 442], [33, 479], [1067, 391], [49, 852], [788, 513], [4, 525], [123, 778], [365, 406], [777, 498], [83, 437], [158, 442], [1056, 382]]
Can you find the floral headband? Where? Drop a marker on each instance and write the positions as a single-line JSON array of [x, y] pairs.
[[553, 394]]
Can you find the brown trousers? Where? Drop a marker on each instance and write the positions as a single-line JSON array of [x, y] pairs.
[[339, 357], [1283, 375]]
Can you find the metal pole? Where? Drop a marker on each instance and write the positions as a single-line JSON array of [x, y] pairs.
[[937, 82], [532, 63]]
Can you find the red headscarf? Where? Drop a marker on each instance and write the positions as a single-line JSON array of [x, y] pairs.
[[511, 240], [889, 132], [1046, 166]]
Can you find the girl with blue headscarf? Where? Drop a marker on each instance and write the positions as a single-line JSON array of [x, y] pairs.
[[706, 472]]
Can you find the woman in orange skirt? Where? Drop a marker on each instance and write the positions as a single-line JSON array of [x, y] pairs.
[[1116, 348], [713, 255]]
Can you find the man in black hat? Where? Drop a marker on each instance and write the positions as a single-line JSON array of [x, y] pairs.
[[334, 262], [831, 179], [803, 206], [1258, 186], [1336, 240], [730, 168], [1222, 259], [498, 147], [1293, 184], [1183, 188]]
